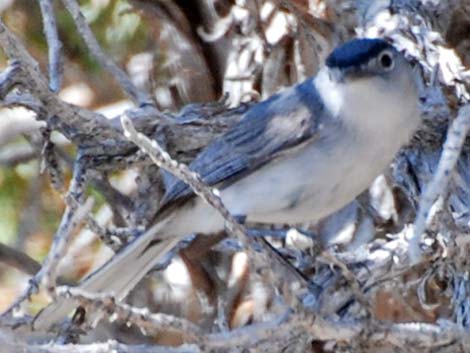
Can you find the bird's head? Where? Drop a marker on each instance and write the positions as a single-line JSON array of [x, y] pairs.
[[370, 83]]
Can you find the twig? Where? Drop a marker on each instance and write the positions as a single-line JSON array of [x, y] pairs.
[[450, 153], [274, 266], [83, 127], [8, 77], [181, 171], [54, 44], [73, 215], [47, 275], [269, 261], [18, 260], [86, 33], [148, 322], [11, 343], [15, 51], [15, 99], [444, 337]]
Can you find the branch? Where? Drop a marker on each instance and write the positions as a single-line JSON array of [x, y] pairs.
[[73, 215], [54, 44], [147, 322], [90, 40], [456, 135], [83, 127], [48, 273], [18, 260], [10, 343], [269, 260]]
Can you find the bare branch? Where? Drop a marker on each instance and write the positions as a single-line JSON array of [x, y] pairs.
[[456, 135], [53, 41], [18, 260], [10, 343], [269, 261], [147, 322], [85, 31], [72, 216]]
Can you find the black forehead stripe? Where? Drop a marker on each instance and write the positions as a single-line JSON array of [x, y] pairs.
[[355, 52]]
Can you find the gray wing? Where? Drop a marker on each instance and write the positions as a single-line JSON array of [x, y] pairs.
[[277, 124]]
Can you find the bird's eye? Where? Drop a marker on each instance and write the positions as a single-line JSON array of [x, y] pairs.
[[386, 60]]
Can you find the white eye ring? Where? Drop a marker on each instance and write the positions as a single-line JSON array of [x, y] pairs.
[[386, 60]]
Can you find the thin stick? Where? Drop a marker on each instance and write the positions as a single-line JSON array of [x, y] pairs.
[[86, 33], [54, 44], [450, 154]]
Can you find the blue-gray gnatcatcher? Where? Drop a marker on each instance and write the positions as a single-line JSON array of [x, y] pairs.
[[294, 158]]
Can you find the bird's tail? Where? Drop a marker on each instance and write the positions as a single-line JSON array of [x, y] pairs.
[[117, 277]]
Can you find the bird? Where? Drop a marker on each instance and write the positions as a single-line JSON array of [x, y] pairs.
[[294, 158]]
